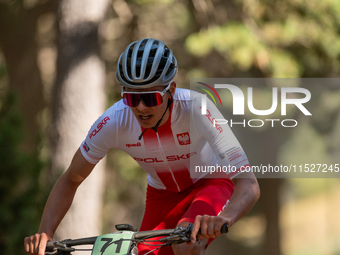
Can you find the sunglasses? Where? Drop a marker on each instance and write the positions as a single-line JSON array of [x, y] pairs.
[[150, 98]]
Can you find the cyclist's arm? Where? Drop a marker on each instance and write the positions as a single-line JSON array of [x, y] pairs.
[[245, 195], [58, 203]]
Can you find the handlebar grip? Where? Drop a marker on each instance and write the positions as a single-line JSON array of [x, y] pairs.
[[225, 228], [49, 246]]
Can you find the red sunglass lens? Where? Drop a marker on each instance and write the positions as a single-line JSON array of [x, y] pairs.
[[130, 100], [150, 99]]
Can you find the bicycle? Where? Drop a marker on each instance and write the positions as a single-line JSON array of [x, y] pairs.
[[124, 241]]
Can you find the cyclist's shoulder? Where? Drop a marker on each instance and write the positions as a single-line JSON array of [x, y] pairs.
[[186, 98], [182, 94], [116, 115], [118, 107], [118, 110]]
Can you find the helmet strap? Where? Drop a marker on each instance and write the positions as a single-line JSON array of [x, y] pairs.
[[170, 100]]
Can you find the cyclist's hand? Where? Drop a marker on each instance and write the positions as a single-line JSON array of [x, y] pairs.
[[36, 244], [210, 226]]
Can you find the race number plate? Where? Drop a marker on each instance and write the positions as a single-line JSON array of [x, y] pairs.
[[117, 243]]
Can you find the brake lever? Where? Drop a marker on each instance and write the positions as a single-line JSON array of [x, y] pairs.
[[186, 237], [60, 246], [181, 237]]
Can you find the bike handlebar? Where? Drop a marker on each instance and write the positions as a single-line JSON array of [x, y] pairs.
[[163, 232], [51, 245]]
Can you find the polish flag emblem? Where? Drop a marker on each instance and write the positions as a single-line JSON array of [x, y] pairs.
[[183, 138]]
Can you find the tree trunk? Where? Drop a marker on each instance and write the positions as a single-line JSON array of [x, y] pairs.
[[261, 152], [79, 99], [18, 42]]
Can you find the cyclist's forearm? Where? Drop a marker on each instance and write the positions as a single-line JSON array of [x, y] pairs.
[[63, 192], [57, 205], [245, 196]]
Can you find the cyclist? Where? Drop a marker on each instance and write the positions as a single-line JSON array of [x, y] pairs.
[[162, 128]]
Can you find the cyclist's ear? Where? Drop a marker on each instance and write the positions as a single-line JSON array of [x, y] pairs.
[[173, 87]]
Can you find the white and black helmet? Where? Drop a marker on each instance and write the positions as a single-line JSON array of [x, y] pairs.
[[146, 63]]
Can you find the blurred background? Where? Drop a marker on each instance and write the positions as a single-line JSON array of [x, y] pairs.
[[57, 75]]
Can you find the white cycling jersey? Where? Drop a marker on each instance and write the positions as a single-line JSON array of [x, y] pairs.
[[186, 148]]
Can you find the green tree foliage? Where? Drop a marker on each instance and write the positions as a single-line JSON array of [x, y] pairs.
[[21, 194], [294, 38]]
